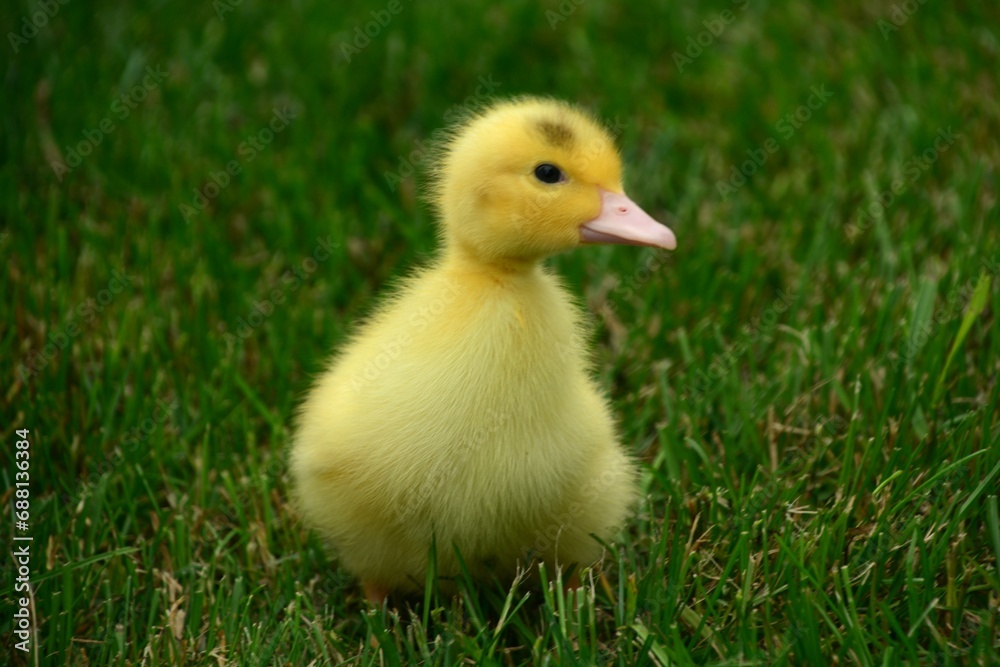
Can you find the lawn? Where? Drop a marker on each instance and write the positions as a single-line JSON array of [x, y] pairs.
[[200, 200]]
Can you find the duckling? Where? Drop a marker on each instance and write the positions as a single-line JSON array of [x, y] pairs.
[[463, 415]]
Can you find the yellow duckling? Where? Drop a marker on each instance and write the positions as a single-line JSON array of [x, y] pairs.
[[463, 414]]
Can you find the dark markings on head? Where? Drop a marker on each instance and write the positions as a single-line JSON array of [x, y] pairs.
[[556, 133]]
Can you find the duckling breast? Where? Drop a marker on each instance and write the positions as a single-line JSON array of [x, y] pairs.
[[463, 413]]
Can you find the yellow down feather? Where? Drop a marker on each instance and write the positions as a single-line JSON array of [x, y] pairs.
[[463, 413]]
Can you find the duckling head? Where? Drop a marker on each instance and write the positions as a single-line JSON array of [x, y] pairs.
[[532, 177]]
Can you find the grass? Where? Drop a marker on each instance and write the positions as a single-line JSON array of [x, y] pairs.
[[810, 380]]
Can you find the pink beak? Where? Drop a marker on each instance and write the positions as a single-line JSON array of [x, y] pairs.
[[622, 221]]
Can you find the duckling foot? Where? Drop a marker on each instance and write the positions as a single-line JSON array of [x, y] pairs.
[[375, 593]]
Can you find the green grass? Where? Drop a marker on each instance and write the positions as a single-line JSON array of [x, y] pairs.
[[812, 392]]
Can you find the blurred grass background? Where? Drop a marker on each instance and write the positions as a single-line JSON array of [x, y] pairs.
[[820, 474]]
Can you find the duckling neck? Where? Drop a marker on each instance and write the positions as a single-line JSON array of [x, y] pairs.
[[458, 256]]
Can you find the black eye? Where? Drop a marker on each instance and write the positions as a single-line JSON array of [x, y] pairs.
[[549, 173]]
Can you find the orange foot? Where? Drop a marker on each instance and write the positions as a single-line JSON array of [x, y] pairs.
[[375, 593]]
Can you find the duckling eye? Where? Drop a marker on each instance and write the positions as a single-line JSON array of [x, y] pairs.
[[549, 173]]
